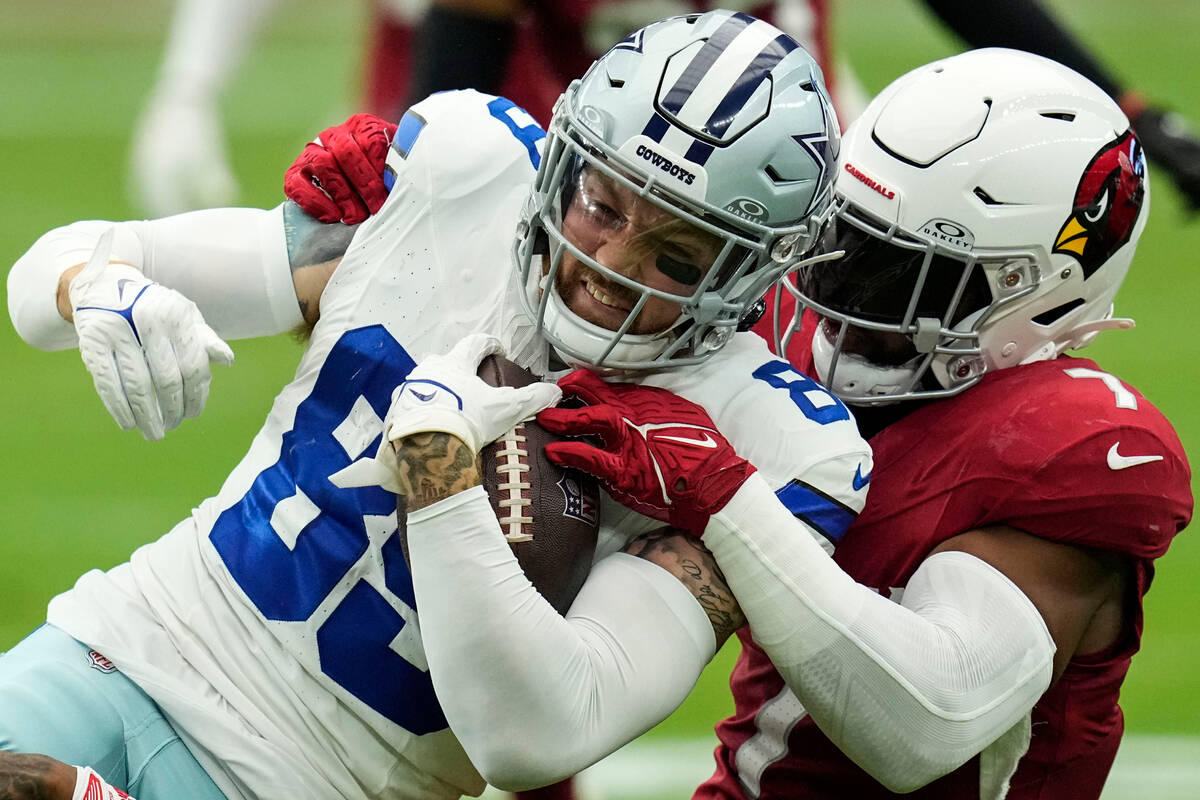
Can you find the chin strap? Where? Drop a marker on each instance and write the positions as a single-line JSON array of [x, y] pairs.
[[1077, 337], [1085, 333], [855, 377]]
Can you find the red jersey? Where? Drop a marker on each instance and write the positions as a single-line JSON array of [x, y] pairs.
[[1058, 449]]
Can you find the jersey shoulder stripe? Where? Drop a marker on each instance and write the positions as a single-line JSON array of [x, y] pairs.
[[827, 515]]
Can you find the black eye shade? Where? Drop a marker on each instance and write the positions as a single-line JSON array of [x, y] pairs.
[[678, 271]]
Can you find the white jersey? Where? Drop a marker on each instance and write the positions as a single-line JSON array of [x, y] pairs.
[[276, 626]]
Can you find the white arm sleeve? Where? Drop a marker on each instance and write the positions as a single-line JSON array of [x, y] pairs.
[[231, 262], [534, 697], [908, 691]]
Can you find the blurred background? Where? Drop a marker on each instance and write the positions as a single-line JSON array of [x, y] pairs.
[[78, 493]]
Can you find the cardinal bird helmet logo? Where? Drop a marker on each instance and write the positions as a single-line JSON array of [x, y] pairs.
[[1107, 203]]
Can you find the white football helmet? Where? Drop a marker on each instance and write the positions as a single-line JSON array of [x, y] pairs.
[[719, 119], [988, 205]]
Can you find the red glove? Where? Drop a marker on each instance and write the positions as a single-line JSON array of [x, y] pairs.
[[339, 177], [661, 455]]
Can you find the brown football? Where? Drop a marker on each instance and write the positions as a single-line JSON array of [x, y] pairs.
[[550, 514]]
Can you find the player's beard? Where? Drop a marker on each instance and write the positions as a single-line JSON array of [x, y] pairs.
[[578, 285]]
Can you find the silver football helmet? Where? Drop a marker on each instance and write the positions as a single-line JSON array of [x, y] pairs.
[[723, 122], [988, 206]]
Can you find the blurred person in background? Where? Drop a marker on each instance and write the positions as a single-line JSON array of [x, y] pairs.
[[527, 50]]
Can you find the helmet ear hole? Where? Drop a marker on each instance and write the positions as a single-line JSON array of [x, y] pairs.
[[752, 315], [1058, 312], [541, 243]]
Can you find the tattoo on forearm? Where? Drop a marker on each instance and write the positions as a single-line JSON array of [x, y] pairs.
[[434, 466], [26, 777], [686, 557]]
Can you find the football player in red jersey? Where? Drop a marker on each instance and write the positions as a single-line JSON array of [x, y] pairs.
[[1020, 495], [976, 252]]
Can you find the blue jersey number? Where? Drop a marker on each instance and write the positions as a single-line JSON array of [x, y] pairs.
[[522, 125], [294, 536], [813, 399]]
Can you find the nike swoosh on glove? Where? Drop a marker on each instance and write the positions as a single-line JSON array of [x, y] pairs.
[[445, 394], [147, 347], [660, 454], [339, 176]]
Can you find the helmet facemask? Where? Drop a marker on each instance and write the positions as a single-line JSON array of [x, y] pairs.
[[902, 314], [714, 280]]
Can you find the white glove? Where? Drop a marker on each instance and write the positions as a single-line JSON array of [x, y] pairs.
[[147, 346], [179, 159], [444, 394]]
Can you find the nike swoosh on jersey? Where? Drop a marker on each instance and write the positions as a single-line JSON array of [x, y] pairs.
[[1118, 461], [424, 398], [706, 441], [859, 480]]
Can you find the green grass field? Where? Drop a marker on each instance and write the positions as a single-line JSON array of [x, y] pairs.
[[78, 493]]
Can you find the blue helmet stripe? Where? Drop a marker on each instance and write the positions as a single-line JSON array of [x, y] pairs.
[[656, 128], [703, 60], [698, 152], [747, 82]]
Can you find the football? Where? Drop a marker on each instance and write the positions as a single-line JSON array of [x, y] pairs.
[[549, 514]]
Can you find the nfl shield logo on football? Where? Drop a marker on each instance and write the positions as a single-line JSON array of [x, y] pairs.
[[99, 662], [577, 504]]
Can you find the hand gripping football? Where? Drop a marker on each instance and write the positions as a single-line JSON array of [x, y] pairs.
[[549, 514]]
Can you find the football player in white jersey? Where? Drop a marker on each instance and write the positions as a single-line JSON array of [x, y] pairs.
[[269, 645]]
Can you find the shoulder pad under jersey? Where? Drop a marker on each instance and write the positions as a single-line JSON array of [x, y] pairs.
[[458, 142], [1070, 453]]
